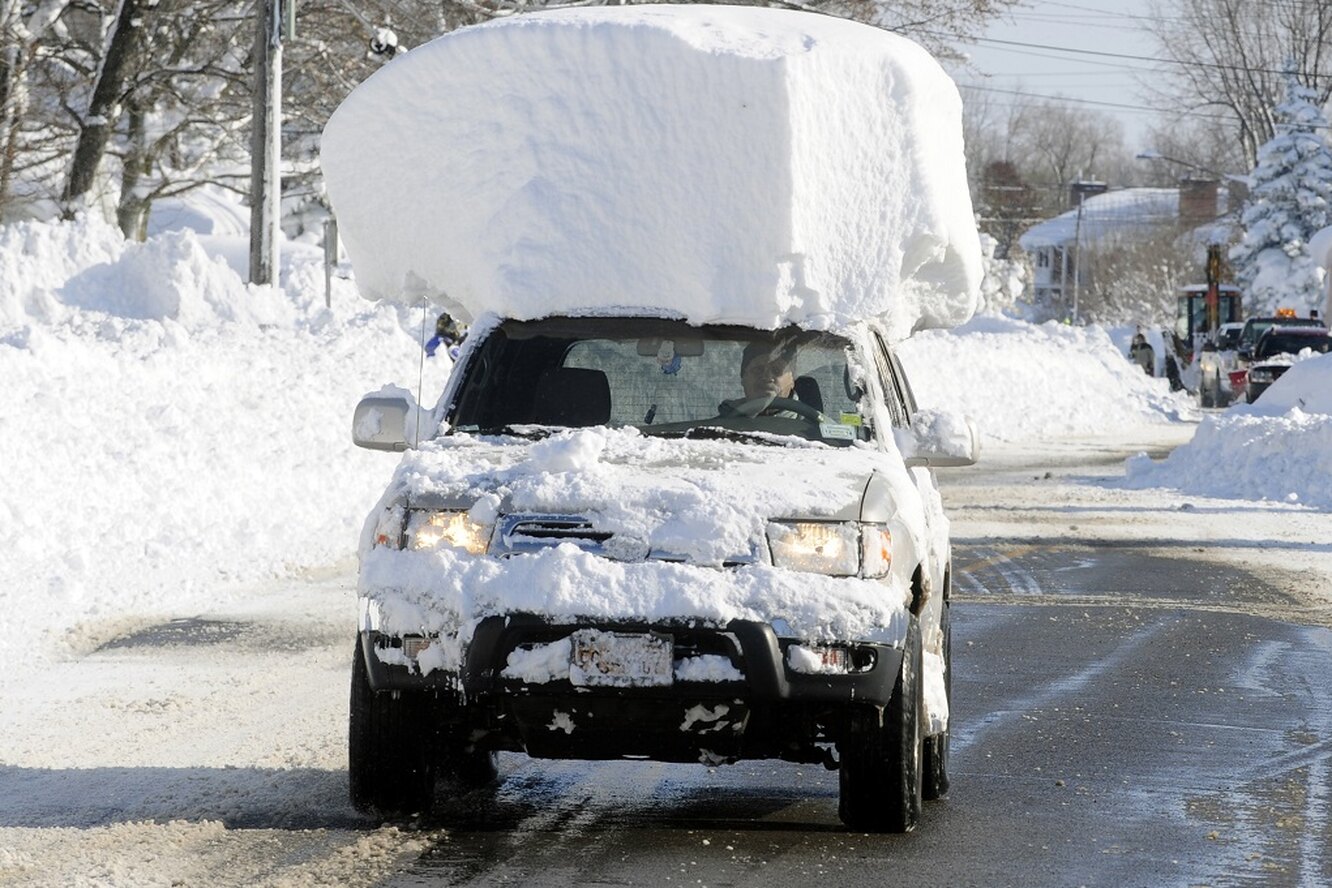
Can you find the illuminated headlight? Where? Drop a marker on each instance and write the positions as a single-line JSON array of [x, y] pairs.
[[1261, 374], [430, 530], [817, 547]]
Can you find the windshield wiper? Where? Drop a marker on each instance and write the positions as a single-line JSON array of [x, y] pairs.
[[530, 432], [717, 433]]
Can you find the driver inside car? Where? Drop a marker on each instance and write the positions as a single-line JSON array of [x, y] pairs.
[[767, 372]]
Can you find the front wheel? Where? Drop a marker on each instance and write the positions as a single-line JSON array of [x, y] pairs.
[[881, 785], [388, 748]]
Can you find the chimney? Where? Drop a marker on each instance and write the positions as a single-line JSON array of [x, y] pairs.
[[1197, 201], [1081, 190]]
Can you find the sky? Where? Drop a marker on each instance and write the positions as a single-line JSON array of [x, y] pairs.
[[1014, 55]]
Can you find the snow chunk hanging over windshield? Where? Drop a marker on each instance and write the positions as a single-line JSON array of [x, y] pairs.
[[730, 164]]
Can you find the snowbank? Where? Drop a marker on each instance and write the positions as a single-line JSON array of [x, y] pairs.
[[1022, 382], [733, 164], [1278, 448], [168, 433]]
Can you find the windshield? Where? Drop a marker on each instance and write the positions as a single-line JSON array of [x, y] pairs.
[[1255, 328], [1277, 343], [1228, 337], [663, 377]]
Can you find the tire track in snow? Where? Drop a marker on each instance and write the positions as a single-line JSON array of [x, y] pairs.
[[993, 563]]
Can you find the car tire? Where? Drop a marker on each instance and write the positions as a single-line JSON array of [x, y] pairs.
[[388, 749], [1205, 396], [934, 754], [880, 778]]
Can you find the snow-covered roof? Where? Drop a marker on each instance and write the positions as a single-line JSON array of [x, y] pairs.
[[1119, 212], [734, 164]]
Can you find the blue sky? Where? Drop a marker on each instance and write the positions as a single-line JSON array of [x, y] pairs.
[[1012, 58]]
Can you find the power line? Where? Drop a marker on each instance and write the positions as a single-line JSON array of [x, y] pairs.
[[1129, 56], [1141, 109]]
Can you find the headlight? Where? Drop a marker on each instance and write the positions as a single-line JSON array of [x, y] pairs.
[[430, 530], [817, 547], [1261, 374]]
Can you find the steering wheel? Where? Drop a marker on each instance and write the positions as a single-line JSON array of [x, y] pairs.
[[757, 406]]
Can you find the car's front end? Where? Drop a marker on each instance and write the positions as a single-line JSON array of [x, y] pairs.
[[1260, 377]]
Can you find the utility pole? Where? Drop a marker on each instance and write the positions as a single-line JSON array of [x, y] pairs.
[[266, 143], [1077, 254]]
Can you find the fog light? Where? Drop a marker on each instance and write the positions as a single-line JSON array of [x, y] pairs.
[[818, 660]]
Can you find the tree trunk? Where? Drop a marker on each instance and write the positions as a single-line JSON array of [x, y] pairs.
[[132, 212], [11, 69], [96, 126]]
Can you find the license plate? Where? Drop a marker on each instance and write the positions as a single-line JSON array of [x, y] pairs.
[[620, 659]]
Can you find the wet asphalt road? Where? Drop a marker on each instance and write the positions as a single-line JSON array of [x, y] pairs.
[[1121, 719]]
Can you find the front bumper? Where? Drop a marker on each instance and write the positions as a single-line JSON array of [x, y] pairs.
[[772, 711]]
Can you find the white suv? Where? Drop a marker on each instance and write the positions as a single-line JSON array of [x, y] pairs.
[[622, 543]]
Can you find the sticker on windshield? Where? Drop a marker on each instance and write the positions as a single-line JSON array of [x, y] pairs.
[[837, 430], [851, 419]]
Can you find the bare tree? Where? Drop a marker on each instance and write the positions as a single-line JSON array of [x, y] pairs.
[[1063, 143], [1228, 57], [938, 26], [1134, 280], [34, 44], [95, 124]]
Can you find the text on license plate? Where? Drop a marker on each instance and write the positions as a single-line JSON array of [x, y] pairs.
[[620, 659]]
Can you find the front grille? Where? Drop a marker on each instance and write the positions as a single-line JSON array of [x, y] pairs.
[[519, 534], [529, 533]]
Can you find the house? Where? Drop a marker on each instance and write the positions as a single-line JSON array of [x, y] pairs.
[[1101, 218]]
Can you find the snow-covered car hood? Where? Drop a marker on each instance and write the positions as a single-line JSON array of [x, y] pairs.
[[701, 501], [682, 508]]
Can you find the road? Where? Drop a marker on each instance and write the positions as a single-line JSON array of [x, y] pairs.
[[1134, 705]]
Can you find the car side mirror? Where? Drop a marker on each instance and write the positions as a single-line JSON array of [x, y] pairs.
[[939, 440], [380, 422]]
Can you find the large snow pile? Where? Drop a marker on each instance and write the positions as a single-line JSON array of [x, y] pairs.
[[1023, 382], [168, 433], [734, 164], [1278, 448]]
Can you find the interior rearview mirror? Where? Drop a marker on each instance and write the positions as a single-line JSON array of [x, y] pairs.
[[686, 348]]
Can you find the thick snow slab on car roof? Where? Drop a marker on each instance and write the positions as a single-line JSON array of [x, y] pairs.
[[731, 164]]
